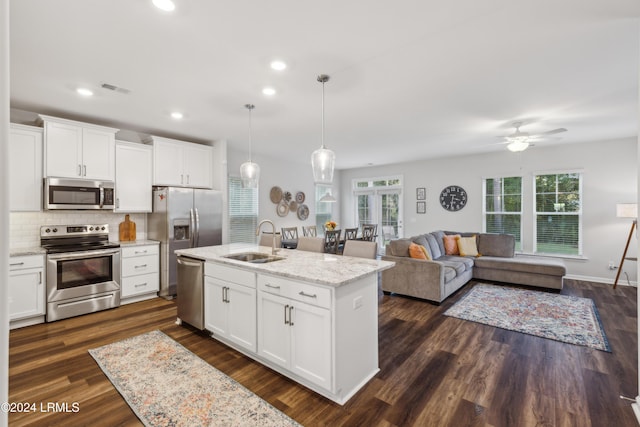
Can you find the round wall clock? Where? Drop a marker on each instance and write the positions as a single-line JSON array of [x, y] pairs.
[[453, 198]]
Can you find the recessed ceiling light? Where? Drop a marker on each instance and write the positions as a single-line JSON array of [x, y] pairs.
[[177, 115], [84, 91], [166, 5], [278, 65], [269, 91]]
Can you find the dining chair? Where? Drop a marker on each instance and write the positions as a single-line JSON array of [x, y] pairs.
[[331, 241], [267, 238], [289, 237], [310, 244], [310, 230], [369, 232], [360, 248], [350, 233]]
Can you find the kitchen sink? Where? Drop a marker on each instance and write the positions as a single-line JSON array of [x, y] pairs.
[[254, 257]]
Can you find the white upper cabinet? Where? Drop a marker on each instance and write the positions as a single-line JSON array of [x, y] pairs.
[[78, 150], [133, 177], [182, 164], [25, 168]]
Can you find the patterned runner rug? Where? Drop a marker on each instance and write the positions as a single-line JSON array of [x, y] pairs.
[[569, 319], [167, 385]]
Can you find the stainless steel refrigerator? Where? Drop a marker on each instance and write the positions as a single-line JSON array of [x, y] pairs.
[[182, 218]]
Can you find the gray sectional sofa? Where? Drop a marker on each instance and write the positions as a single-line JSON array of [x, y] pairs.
[[441, 276]]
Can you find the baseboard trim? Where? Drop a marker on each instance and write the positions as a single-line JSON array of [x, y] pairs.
[[604, 280]]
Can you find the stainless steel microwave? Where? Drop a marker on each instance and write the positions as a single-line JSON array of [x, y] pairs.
[[72, 194]]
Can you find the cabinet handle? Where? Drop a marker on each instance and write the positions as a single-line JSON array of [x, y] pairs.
[[228, 300], [79, 170], [140, 252], [39, 277], [84, 170], [271, 286], [117, 202], [308, 295], [187, 178], [223, 292], [141, 266], [286, 308], [15, 264], [181, 179], [140, 285], [291, 316]]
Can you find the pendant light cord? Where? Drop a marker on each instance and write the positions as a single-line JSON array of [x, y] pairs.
[[323, 114], [250, 107]]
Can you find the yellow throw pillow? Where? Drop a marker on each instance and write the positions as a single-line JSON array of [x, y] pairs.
[[451, 244], [467, 246], [418, 252]]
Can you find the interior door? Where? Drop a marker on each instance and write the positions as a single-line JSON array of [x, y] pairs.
[[384, 208]]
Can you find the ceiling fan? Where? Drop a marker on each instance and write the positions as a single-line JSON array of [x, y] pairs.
[[520, 141]]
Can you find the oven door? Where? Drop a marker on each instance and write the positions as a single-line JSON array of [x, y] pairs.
[[79, 274]]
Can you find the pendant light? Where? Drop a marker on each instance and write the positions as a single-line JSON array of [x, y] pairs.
[[323, 159], [249, 171]]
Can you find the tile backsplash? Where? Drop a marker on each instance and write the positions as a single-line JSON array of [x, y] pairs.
[[24, 227]]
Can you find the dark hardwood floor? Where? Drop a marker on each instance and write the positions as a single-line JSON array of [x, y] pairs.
[[434, 370]]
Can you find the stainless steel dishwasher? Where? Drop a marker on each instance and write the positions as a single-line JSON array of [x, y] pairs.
[[190, 289]]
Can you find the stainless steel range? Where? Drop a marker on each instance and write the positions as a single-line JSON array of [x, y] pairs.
[[83, 269]]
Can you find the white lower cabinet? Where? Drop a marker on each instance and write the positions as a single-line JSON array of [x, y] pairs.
[[296, 336], [26, 290], [230, 311], [140, 272]]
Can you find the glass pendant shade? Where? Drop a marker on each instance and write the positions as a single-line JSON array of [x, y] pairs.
[[249, 171], [322, 162], [249, 174]]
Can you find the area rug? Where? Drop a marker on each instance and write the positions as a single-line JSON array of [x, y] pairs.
[[167, 385], [569, 319]]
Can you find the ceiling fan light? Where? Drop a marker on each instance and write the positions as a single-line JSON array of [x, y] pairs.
[[517, 146]]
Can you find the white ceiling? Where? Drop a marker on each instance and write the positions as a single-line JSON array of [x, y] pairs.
[[410, 79]]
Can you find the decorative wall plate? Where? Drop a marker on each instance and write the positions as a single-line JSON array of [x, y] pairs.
[[286, 196], [283, 208], [300, 197], [293, 206], [275, 194], [303, 212]]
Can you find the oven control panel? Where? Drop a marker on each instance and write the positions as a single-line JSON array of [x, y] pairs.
[[73, 230]]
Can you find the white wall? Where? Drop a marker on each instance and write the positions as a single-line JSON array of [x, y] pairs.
[[610, 170], [292, 176]]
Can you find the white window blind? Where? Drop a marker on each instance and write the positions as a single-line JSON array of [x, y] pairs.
[[243, 212], [503, 207], [558, 211]]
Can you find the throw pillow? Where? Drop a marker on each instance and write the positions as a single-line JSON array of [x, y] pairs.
[[451, 244], [418, 252], [467, 246]]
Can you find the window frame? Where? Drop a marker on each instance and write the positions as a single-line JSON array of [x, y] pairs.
[[485, 212], [578, 213]]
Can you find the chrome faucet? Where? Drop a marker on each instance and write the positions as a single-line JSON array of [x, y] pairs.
[[273, 234]]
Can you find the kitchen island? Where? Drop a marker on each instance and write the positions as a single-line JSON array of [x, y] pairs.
[[312, 317]]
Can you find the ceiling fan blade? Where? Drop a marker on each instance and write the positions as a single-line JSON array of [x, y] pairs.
[[552, 132]]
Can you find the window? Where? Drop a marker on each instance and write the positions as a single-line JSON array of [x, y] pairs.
[[503, 207], [558, 214], [323, 209], [243, 212], [379, 201]]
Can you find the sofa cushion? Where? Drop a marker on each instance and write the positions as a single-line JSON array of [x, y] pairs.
[[399, 247], [498, 245], [522, 264], [433, 246], [451, 244], [449, 274], [467, 246], [439, 235], [455, 259]]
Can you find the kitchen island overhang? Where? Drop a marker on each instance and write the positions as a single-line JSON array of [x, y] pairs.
[[312, 317]]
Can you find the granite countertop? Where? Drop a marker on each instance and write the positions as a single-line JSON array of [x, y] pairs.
[[36, 250], [324, 269]]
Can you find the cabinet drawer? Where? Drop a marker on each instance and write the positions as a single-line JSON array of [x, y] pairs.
[[132, 251], [141, 284], [230, 274], [298, 291], [27, 261], [140, 265]]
